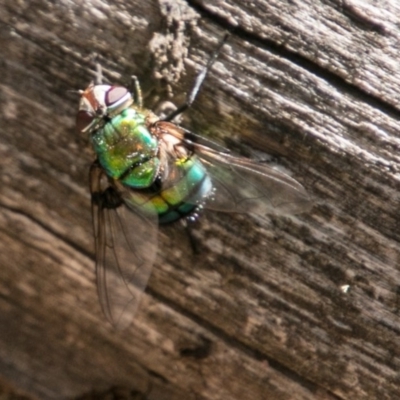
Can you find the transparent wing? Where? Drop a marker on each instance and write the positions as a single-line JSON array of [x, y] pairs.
[[242, 185], [190, 137], [126, 247]]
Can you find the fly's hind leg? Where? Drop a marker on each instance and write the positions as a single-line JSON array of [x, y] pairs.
[[197, 83], [193, 242]]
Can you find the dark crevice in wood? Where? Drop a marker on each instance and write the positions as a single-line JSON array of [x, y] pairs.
[[240, 346], [303, 62]]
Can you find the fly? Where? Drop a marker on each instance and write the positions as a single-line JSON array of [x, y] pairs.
[[151, 172]]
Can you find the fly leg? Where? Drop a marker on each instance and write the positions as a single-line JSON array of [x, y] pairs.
[[137, 91], [98, 77], [197, 83], [188, 225]]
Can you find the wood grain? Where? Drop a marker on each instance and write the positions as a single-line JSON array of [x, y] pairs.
[[303, 307]]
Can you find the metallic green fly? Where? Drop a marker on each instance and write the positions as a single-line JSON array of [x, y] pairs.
[[150, 172]]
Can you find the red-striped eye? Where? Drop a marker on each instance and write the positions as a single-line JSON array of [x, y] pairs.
[[115, 96], [83, 120]]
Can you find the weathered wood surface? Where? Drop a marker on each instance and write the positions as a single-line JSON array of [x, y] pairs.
[[263, 313]]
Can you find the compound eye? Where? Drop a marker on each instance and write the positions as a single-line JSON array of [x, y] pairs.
[[116, 96], [83, 120]]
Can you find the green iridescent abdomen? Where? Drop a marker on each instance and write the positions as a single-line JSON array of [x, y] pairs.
[[127, 150], [181, 196]]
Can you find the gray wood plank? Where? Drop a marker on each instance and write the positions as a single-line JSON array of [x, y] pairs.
[[264, 311]]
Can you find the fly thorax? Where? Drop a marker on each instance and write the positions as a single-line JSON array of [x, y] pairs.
[[127, 150]]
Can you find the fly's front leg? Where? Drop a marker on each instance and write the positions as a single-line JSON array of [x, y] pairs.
[[98, 77], [137, 91]]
